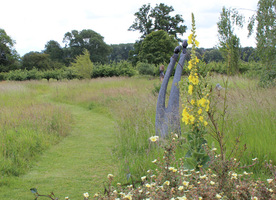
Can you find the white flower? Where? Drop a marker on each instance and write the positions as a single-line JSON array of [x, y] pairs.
[[143, 178], [212, 182], [218, 196], [269, 180], [66, 198], [148, 185], [186, 183], [153, 138], [254, 159], [180, 188], [202, 177], [110, 176], [255, 198], [182, 198], [166, 183], [154, 161], [86, 195], [214, 149], [270, 190]]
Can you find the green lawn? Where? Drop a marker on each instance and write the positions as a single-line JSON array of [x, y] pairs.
[[78, 164]]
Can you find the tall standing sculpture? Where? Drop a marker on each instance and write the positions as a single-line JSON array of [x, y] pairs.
[[167, 118]]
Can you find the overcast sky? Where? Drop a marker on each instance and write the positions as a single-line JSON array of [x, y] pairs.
[[32, 23]]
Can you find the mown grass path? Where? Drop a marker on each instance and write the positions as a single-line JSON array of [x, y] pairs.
[[79, 163]]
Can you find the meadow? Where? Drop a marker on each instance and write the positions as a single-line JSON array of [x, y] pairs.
[[37, 116]]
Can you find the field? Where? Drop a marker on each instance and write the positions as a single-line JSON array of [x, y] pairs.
[[66, 136]]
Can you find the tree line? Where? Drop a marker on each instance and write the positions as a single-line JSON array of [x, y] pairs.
[[160, 34]]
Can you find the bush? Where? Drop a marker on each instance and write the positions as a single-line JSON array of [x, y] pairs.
[[34, 74], [146, 68], [268, 78], [17, 75], [3, 76]]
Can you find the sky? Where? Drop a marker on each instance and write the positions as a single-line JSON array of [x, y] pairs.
[[32, 23]]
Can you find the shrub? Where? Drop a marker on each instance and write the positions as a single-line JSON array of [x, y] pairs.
[[17, 75], [146, 68]]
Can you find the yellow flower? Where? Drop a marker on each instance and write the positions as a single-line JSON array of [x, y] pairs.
[[199, 111], [205, 123], [192, 102], [255, 198], [218, 196], [212, 183], [196, 43], [201, 118], [190, 90], [199, 198], [190, 38], [192, 118]]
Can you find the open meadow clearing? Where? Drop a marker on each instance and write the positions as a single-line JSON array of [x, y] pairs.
[[67, 136]]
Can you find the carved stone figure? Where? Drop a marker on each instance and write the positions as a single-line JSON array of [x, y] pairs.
[[167, 118]]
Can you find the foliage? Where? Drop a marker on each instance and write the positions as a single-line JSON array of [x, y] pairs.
[[229, 42], [8, 55], [83, 65], [77, 41], [122, 68], [157, 47], [120, 52], [146, 68], [195, 107], [268, 78], [213, 55], [55, 51], [158, 18], [266, 31], [40, 61]]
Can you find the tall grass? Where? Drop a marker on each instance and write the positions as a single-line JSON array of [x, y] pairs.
[[27, 126]]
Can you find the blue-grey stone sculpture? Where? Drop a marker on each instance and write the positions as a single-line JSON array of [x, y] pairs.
[[167, 118]]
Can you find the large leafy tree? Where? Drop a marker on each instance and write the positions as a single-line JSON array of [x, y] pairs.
[[266, 31], [88, 39], [55, 51], [157, 47], [40, 61], [120, 51], [158, 18], [8, 55], [229, 42]]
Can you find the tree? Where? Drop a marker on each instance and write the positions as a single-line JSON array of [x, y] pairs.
[[88, 39], [55, 51], [120, 51], [213, 55], [83, 65], [266, 31], [158, 18], [40, 61], [228, 41], [157, 47], [8, 55]]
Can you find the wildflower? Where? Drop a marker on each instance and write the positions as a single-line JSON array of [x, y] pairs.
[[201, 118], [180, 188], [205, 123], [213, 175], [129, 186], [95, 195], [128, 196], [66, 198], [166, 183], [234, 176], [86, 195], [199, 111], [192, 119], [110, 176], [214, 149], [255, 198], [143, 178], [245, 173], [185, 183], [154, 161], [254, 159], [203, 177], [212, 183], [190, 89], [218, 196], [154, 138], [148, 185], [269, 180], [270, 190], [192, 102], [199, 198], [182, 198], [118, 184], [197, 43], [153, 176]]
